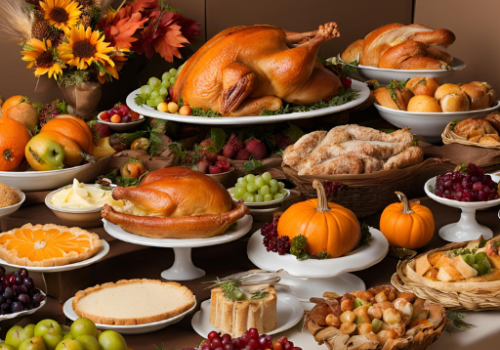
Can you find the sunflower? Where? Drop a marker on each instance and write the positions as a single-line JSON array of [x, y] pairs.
[[119, 59], [85, 47], [42, 56], [62, 14]]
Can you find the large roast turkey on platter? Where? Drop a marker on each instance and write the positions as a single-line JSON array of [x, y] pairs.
[[244, 70]]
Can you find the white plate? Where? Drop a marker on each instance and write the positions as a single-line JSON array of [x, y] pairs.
[[26, 312], [12, 208], [290, 312], [357, 260], [121, 127], [99, 255], [430, 125], [50, 180], [244, 225], [384, 75], [249, 120], [265, 204], [135, 329]]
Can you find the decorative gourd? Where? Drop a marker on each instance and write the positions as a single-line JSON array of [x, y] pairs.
[[327, 226], [407, 224]]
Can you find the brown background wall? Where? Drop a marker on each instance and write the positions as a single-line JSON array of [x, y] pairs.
[[476, 29]]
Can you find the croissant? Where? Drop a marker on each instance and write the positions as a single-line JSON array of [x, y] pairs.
[[175, 202]]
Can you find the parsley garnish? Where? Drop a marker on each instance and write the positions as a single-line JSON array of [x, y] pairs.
[[252, 164], [260, 294]]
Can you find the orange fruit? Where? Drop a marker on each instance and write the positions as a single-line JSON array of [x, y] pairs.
[[11, 102], [47, 245], [71, 129], [72, 150], [81, 122], [13, 139]]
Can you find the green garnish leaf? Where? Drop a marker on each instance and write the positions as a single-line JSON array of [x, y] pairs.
[[366, 236], [431, 188], [457, 322], [293, 132], [200, 112], [7, 153], [106, 188], [423, 81], [298, 245], [304, 256], [415, 140], [454, 123], [61, 107], [323, 255], [260, 294], [252, 164], [218, 137], [483, 242]]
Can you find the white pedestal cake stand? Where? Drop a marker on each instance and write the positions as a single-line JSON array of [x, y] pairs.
[[467, 229], [183, 268], [305, 279]]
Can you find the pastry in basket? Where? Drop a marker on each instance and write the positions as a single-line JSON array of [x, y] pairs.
[[47, 245], [472, 268], [175, 202], [247, 69], [244, 307], [378, 318], [477, 130], [133, 302], [396, 46], [352, 149]]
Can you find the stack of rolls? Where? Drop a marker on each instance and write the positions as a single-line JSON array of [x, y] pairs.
[[482, 131]]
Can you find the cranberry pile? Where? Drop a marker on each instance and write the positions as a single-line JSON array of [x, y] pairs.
[[18, 292], [251, 340], [469, 184], [272, 241]]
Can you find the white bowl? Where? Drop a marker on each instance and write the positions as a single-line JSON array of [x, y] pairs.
[[13, 208], [83, 218], [384, 75], [224, 177], [265, 204], [429, 125], [467, 229], [49, 180], [121, 127], [25, 312]]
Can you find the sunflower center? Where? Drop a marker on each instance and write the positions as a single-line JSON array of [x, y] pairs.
[[83, 49], [45, 60], [59, 14]]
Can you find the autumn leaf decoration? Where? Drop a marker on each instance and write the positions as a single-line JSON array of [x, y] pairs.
[[120, 32]]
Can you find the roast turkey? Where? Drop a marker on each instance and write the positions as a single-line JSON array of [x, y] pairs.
[[244, 70]]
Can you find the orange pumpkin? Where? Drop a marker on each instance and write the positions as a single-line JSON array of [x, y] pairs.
[[407, 224], [327, 226]]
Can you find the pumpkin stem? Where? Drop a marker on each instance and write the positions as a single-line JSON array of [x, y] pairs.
[[404, 200], [322, 200]]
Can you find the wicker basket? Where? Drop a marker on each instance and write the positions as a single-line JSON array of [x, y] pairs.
[[449, 137], [459, 301], [367, 194]]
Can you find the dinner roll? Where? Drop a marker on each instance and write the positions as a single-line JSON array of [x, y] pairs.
[[474, 129], [422, 86], [424, 103], [490, 139], [384, 98], [477, 93], [494, 119], [451, 98]]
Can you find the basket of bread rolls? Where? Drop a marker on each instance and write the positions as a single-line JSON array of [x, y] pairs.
[[483, 132]]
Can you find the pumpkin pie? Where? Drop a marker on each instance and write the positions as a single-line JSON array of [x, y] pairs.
[[47, 245], [133, 302]]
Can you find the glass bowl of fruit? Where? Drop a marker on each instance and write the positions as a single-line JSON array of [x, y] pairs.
[[120, 118], [467, 188], [259, 190]]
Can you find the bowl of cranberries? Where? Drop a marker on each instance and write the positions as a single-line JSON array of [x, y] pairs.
[[251, 340], [120, 118]]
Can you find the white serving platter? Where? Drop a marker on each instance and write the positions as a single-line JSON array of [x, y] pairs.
[[12, 208]]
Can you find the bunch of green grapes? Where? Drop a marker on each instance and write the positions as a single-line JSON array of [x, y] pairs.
[[157, 90], [260, 188]]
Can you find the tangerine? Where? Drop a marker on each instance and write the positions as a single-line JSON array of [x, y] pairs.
[[13, 139]]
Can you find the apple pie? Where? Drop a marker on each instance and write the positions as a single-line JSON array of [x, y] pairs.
[[133, 302], [47, 245]]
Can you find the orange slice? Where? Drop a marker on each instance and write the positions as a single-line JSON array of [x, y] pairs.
[[47, 245]]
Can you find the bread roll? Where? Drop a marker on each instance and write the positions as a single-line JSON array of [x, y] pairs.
[[494, 119], [451, 98], [477, 93], [384, 98], [422, 86], [424, 103], [490, 139], [474, 129], [353, 52]]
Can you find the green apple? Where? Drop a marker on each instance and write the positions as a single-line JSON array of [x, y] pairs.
[[4, 346], [50, 331], [43, 153], [111, 340], [17, 334], [68, 336], [88, 342], [69, 344], [35, 343], [83, 326]]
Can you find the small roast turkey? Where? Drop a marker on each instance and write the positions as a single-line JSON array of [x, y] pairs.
[[175, 202], [244, 70]]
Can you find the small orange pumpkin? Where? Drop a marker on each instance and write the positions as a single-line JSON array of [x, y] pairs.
[[407, 224], [327, 226]]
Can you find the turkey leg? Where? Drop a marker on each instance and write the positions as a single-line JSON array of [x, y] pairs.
[[254, 106], [293, 38]]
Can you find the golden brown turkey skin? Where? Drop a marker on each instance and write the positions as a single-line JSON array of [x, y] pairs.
[[244, 70]]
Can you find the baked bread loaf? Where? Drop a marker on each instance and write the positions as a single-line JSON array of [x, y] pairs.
[[424, 103], [475, 129], [352, 149], [175, 202], [235, 317], [385, 98], [422, 86], [451, 98], [479, 95]]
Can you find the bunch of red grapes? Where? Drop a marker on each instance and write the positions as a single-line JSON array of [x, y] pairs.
[[272, 241], [251, 340], [18, 292], [470, 184]]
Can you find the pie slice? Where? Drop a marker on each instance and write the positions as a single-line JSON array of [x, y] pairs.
[[133, 302], [47, 245]]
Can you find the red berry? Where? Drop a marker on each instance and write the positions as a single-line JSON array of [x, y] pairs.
[[104, 116], [223, 165], [214, 170], [123, 110], [346, 82]]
